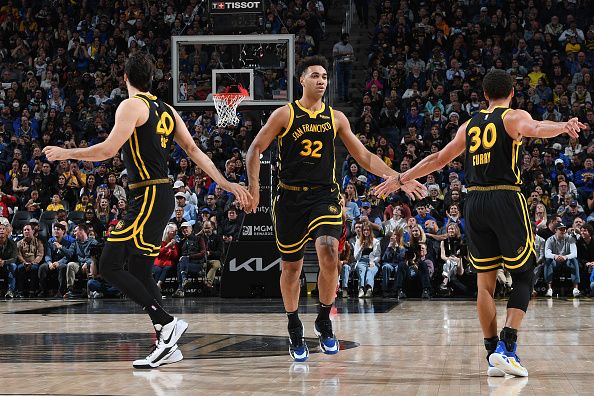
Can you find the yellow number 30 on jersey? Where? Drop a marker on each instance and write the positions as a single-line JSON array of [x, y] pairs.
[[488, 138], [308, 152], [165, 127]]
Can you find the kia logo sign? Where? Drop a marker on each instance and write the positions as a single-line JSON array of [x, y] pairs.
[[254, 264], [236, 6]]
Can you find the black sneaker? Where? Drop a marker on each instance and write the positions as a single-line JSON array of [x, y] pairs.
[[401, 295], [328, 341], [297, 347], [426, 294]]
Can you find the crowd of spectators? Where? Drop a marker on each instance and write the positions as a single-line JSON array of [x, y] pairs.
[[61, 70], [61, 75], [425, 63]]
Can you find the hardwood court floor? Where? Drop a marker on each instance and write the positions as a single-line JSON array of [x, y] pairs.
[[415, 347]]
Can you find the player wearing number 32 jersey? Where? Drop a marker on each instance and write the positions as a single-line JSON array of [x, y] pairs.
[[307, 205], [498, 225]]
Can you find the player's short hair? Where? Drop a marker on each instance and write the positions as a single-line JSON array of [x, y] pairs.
[[316, 60], [497, 84], [140, 70]]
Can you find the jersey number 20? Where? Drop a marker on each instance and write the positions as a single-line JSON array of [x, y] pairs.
[[307, 148], [486, 137], [164, 128]]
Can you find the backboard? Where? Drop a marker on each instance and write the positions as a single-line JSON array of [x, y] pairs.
[[263, 63]]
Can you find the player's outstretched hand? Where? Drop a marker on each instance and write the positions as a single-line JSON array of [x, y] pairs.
[[255, 193], [54, 153], [241, 194], [573, 127], [412, 188]]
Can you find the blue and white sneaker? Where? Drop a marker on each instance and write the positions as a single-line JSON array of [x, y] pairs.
[[328, 341], [507, 361], [297, 347]]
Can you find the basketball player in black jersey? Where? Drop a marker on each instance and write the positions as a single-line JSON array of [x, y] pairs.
[[497, 220], [145, 128], [307, 205]]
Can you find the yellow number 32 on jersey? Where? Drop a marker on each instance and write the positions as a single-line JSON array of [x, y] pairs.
[[307, 148]]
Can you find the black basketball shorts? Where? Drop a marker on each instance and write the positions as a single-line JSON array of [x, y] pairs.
[[301, 216], [149, 210], [499, 231]]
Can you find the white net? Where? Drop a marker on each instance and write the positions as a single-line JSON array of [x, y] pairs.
[[226, 106]]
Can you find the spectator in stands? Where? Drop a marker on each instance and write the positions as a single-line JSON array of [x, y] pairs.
[[451, 255], [56, 251], [56, 203], [396, 221], [540, 216], [166, 261], [433, 242], [189, 209], [343, 54], [191, 197], [366, 215], [585, 249], [8, 257], [424, 268], [92, 221], [115, 189], [561, 250], [33, 205], [214, 251], [549, 230], [393, 263], [29, 256], [230, 227], [584, 179], [79, 256], [6, 201], [178, 219], [367, 255], [423, 214], [192, 252]]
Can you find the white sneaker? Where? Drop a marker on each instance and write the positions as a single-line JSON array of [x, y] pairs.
[[159, 356], [369, 293], [171, 332], [576, 292], [549, 293], [361, 293]]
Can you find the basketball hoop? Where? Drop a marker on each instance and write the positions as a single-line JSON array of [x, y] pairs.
[[226, 105]]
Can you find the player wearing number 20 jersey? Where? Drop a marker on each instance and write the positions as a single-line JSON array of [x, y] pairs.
[[307, 203]]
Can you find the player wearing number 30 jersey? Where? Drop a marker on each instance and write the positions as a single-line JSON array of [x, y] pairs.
[[498, 225]]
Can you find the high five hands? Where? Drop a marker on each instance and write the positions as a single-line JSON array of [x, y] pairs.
[[412, 188]]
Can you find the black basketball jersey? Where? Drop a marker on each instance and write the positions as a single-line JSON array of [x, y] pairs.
[[491, 154], [146, 153], [306, 147]]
